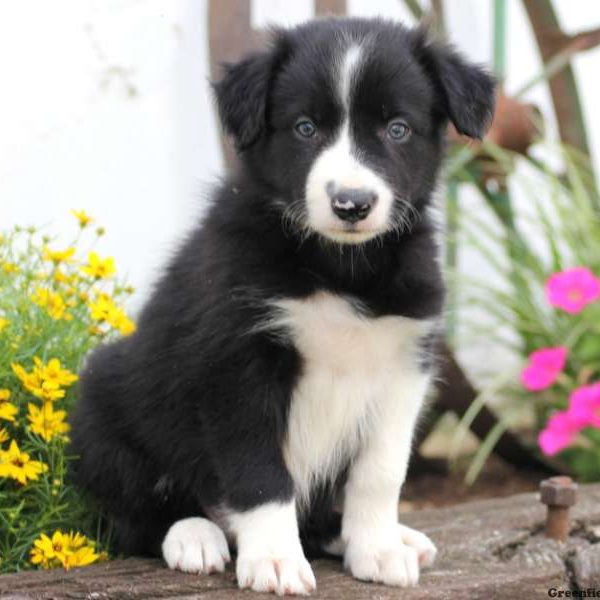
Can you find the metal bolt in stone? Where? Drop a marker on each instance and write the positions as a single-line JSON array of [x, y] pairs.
[[558, 494]]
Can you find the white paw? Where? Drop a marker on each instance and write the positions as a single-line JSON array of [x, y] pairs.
[[391, 557], [285, 575], [425, 548], [270, 556], [195, 545]]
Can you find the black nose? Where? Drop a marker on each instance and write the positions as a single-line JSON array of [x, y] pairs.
[[351, 204]]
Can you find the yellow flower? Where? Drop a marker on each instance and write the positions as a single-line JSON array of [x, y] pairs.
[[48, 392], [63, 549], [102, 307], [68, 279], [53, 374], [119, 320], [45, 381], [4, 323], [95, 330], [8, 267], [99, 268], [58, 256], [53, 303], [30, 381], [105, 309], [47, 422], [60, 276], [43, 552], [17, 465], [81, 558], [3, 435], [7, 409], [83, 218]]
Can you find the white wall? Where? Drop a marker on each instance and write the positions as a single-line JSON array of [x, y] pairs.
[[105, 106]]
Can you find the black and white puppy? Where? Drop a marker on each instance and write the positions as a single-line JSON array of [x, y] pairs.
[[279, 368]]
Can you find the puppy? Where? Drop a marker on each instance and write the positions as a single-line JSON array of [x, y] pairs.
[[280, 365]]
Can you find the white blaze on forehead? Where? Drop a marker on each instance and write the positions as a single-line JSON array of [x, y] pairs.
[[348, 70], [338, 166]]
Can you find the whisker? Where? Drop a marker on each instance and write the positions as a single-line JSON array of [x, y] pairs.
[[294, 221], [405, 217]]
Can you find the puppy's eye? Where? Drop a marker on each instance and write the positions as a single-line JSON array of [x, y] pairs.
[[305, 128], [398, 131]]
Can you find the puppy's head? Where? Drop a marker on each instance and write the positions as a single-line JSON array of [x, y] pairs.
[[344, 120]]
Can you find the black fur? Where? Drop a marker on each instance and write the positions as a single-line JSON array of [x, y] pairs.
[[189, 413]]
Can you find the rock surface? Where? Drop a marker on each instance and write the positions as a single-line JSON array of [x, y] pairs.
[[488, 549]]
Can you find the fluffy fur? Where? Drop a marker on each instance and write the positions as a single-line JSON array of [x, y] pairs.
[[277, 370]]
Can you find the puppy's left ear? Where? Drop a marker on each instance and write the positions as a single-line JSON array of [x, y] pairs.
[[467, 92], [242, 93]]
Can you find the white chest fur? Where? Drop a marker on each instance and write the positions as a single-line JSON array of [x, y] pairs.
[[354, 367]]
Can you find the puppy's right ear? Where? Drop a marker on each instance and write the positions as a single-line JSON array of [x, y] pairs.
[[243, 91]]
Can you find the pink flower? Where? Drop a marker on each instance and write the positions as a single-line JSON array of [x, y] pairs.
[[573, 289], [560, 431], [584, 405], [544, 367]]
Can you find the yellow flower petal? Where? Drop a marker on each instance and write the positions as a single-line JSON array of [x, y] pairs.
[[8, 267], [58, 256], [17, 465], [83, 218], [53, 302], [64, 549], [46, 422], [99, 268]]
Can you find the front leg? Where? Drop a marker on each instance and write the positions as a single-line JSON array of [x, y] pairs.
[[242, 425], [259, 505], [376, 547], [270, 556]]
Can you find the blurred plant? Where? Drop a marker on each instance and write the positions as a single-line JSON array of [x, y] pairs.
[[49, 320], [543, 301]]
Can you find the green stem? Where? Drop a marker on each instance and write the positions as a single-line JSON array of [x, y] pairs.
[[452, 208], [500, 39], [415, 8]]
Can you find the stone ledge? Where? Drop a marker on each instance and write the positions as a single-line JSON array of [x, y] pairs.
[[488, 549]]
